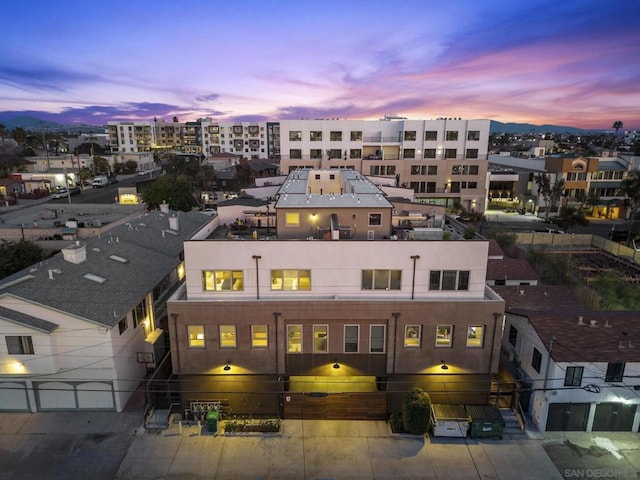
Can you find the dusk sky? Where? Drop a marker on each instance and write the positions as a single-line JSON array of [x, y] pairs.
[[571, 63]]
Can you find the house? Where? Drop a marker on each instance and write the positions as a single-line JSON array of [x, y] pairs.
[[80, 330], [335, 317], [512, 269], [579, 368]]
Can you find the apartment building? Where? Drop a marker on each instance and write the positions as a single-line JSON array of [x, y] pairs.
[[444, 160], [336, 316]]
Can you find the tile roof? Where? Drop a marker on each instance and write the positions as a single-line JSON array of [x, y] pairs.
[[510, 269], [539, 297]]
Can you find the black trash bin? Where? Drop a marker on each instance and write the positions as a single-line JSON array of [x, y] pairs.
[[212, 420]]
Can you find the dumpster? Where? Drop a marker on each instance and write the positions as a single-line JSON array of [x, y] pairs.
[[212, 420], [449, 420], [486, 421]]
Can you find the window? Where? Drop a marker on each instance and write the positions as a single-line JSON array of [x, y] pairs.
[[290, 279], [355, 153], [335, 136], [536, 360], [140, 313], [377, 338], [443, 335], [294, 338], [320, 338], [315, 153], [295, 153], [472, 153], [259, 336], [19, 345], [410, 136], [356, 136], [351, 336], [451, 136], [196, 336], [292, 219], [429, 153], [295, 136], [375, 219], [412, 336], [222, 280], [381, 279], [449, 280], [431, 135], [228, 336], [473, 135], [513, 335], [615, 372], [409, 153], [475, 336], [315, 136], [450, 153], [573, 376], [432, 170], [123, 325]]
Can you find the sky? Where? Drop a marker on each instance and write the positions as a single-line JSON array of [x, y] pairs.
[[572, 63]]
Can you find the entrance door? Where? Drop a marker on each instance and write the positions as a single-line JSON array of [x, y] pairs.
[[567, 417], [614, 417]]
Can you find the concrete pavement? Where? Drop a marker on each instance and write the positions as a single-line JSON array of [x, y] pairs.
[[108, 445]]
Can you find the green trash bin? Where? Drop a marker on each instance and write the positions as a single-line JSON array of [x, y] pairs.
[[212, 420]]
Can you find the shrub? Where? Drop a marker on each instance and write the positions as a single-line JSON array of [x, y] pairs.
[[395, 420], [416, 411], [245, 424]]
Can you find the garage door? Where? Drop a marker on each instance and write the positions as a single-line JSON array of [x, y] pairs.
[[13, 397], [567, 417], [614, 417], [74, 396]]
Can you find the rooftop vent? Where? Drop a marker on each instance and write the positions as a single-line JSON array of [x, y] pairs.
[[593, 323], [173, 223], [76, 253], [580, 320], [164, 207], [118, 259]]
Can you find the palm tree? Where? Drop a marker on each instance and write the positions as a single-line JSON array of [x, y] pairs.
[[617, 125], [631, 187], [544, 189], [556, 191]]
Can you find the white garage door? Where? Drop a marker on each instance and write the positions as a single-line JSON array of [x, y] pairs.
[[13, 397], [75, 396], [56, 396], [95, 395]]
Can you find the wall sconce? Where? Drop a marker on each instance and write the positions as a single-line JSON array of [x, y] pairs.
[[444, 365], [336, 365], [227, 366]]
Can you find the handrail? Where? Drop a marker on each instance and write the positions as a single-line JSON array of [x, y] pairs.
[[519, 414]]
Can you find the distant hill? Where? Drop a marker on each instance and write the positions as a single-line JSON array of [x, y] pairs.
[[499, 127], [34, 124]]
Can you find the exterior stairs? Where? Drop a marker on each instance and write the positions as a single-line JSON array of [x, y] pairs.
[[511, 424]]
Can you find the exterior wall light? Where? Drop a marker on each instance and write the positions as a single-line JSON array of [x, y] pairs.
[[444, 365], [227, 366], [336, 365]]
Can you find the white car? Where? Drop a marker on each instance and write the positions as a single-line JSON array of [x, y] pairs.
[[209, 211], [60, 192]]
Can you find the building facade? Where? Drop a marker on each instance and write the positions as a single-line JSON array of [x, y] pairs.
[[330, 321]]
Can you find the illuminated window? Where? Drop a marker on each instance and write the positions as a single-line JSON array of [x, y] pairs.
[[351, 337], [292, 219], [222, 280], [259, 336], [196, 336], [475, 336], [228, 336], [294, 338], [377, 338], [19, 345], [412, 336], [290, 279], [443, 335], [320, 338]]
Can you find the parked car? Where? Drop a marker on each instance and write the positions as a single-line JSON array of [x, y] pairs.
[[75, 191], [100, 181], [59, 192], [112, 180]]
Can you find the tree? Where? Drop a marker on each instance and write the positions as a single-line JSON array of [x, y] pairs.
[[416, 411], [131, 165], [544, 189], [617, 125], [569, 217], [19, 135], [176, 191], [17, 256], [556, 192], [244, 173], [3, 130], [100, 165], [631, 188]]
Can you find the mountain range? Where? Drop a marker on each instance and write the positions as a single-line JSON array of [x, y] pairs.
[[35, 124]]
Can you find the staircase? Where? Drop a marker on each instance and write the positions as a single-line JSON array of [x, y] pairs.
[[511, 424], [157, 420]]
